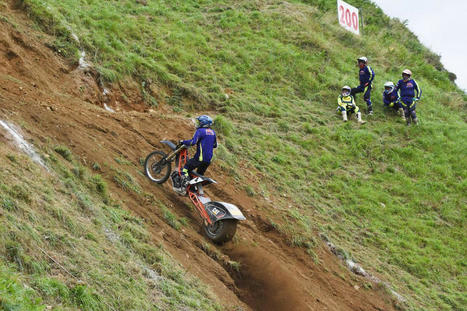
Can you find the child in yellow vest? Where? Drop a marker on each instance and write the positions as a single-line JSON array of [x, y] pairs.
[[346, 105]]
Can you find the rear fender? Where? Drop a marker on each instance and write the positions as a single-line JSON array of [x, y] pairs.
[[221, 210]]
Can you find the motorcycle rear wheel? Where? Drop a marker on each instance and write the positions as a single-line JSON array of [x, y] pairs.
[[221, 231], [156, 167]]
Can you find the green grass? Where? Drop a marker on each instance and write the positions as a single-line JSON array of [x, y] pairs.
[[392, 196], [65, 243], [64, 152], [171, 219], [15, 296], [126, 181]]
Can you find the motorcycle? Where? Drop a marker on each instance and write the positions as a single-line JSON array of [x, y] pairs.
[[219, 218]]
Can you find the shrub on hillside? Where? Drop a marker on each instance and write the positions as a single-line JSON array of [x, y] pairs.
[[222, 125]]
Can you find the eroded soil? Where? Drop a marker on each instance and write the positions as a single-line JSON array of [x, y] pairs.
[[57, 103]]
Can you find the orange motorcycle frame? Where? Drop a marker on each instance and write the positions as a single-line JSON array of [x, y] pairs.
[[194, 196]]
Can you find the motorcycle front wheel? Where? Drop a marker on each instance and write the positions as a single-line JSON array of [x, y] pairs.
[[156, 167], [221, 231]]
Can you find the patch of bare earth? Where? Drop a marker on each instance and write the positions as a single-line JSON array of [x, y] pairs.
[[62, 104]]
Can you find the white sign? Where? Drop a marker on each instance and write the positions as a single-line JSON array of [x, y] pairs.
[[348, 17]]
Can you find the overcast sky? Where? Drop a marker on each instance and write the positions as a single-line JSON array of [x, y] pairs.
[[441, 25]]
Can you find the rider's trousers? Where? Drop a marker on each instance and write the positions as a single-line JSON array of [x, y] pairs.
[[194, 163]]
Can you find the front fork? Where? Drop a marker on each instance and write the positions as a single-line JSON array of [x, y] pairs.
[[182, 158], [182, 153]]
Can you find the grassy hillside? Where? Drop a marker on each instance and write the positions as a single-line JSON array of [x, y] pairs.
[[76, 248], [393, 197]]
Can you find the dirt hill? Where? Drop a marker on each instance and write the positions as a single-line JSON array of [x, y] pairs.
[[93, 86], [55, 103]]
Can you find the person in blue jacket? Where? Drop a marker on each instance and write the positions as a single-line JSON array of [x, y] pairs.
[[205, 140], [391, 98], [409, 93], [366, 76]]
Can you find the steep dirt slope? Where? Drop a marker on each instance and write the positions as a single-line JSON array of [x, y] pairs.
[[57, 103]]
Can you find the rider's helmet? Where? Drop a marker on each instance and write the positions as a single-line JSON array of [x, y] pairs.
[[388, 87], [204, 121], [346, 90], [406, 74], [362, 59]]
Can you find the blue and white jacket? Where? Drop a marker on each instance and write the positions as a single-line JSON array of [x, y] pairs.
[[205, 139], [407, 90], [366, 75]]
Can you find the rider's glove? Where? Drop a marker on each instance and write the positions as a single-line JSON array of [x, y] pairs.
[[180, 142]]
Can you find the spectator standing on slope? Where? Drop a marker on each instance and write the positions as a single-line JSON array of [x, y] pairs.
[[366, 76], [407, 87]]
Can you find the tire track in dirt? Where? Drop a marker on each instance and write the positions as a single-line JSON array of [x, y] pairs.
[[264, 282]]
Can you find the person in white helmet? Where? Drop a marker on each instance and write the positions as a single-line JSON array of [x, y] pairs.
[[409, 93], [346, 105], [366, 76], [391, 98]]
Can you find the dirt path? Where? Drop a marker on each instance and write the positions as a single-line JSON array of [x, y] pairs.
[[58, 104]]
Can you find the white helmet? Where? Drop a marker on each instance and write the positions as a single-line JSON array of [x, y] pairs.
[[362, 59], [347, 89], [389, 84], [407, 72]]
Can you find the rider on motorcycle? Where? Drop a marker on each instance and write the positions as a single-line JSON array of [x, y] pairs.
[[205, 140]]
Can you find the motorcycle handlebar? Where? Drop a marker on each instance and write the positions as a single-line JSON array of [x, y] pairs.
[[181, 146]]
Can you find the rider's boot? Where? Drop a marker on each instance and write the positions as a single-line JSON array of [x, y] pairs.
[[184, 181], [413, 115], [344, 116], [359, 118], [402, 113], [185, 178], [369, 107]]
